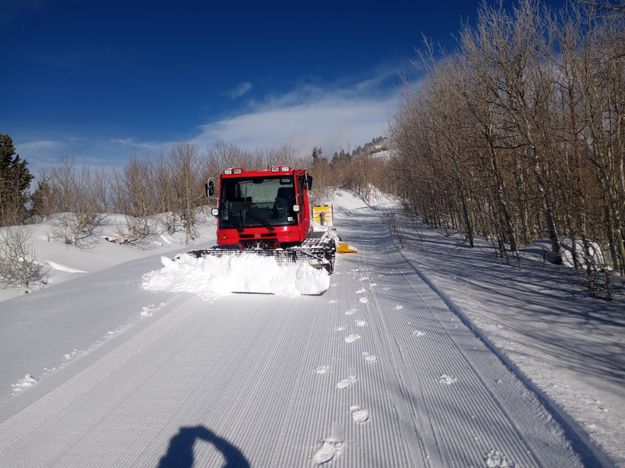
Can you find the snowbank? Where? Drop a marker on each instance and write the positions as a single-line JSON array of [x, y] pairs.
[[212, 276], [65, 262], [347, 200], [594, 249]]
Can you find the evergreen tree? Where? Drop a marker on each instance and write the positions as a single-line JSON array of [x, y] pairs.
[[317, 155], [15, 181], [42, 199]]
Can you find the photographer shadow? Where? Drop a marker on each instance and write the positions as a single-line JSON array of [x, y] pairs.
[[180, 451]]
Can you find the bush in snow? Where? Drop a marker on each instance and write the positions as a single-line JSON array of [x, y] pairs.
[[138, 232], [79, 197], [76, 229], [18, 263]]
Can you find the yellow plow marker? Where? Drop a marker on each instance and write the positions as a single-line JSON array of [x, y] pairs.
[[344, 248]]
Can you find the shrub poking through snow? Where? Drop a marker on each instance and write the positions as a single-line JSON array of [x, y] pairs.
[[18, 263], [76, 229], [139, 231]]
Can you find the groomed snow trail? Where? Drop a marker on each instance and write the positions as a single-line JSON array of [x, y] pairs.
[[375, 373]]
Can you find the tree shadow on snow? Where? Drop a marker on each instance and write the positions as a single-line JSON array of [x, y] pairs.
[[180, 451], [545, 305]]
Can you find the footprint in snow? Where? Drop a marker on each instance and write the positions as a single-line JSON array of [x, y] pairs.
[[68, 356], [361, 291], [361, 323], [359, 415], [147, 311], [322, 370], [447, 379], [351, 311], [330, 448], [363, 300], [370, 358], [346, 382], [24, 383], [494, 459], [418, 333], [351, 338]]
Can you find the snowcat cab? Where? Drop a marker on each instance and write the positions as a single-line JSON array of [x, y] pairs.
[[263, 209], [268, 212]]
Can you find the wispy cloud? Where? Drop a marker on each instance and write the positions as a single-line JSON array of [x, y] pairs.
[[40, 145], [92, 151], [331, 121], [338, 116], [240, 90], [343, 115], [134, 145]]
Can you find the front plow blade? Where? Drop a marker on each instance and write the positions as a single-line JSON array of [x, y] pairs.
[[315, 256], [212, 275]]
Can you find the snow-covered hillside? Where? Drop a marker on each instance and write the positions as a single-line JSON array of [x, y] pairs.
[[421, 353]]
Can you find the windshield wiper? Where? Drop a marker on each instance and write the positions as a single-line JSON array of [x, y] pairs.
[[233, 221], [263, 221]]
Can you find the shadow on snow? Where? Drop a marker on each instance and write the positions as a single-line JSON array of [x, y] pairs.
[[180, 451]]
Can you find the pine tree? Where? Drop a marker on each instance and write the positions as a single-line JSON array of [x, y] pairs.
[[42, 199], [15, 181], [317, 155]]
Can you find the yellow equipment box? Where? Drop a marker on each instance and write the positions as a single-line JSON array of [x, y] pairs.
[[323, 215]]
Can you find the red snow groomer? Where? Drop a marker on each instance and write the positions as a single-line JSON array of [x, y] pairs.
[[268, 212]]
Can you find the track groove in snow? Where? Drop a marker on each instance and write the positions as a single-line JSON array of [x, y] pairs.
[[261, 373]]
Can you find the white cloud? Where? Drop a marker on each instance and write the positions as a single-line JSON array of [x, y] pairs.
[[39, 145], [341, 116], [332, 121], [240, 90], [90, 151], [137, 146]]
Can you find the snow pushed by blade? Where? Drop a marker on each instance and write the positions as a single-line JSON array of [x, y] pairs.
[[215, 276]]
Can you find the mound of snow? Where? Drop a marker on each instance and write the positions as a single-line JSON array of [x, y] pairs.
[[214, 276], [66, 269], [347, 200], [594, 249]]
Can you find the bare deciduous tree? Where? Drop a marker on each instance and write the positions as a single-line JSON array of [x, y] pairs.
[[19, 265], [520, 134]]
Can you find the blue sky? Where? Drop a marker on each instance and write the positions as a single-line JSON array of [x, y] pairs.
[[102, 80]]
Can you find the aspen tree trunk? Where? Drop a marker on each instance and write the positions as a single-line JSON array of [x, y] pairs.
[[500, 195], [546, 204]]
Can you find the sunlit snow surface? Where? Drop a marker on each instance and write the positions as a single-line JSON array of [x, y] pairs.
[[214, 276]]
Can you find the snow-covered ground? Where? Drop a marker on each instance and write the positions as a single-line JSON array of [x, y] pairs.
[[540, 319], [63, 262], [95, 370]]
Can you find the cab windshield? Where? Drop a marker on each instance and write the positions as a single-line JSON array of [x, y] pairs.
[[257, 202]]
